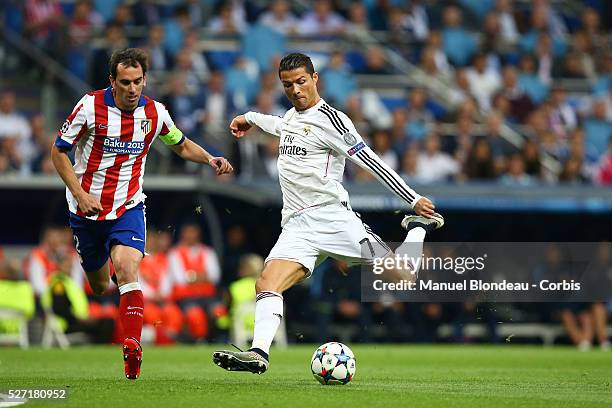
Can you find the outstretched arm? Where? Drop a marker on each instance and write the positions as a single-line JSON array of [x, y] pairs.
[[268, 123], [191, 151], [341, 136], [372, 163]]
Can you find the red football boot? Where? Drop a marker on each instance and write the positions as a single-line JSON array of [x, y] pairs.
[[132, 358]]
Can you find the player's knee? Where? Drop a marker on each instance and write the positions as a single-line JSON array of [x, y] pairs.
[[121, 265], [279, 276], [267, 284], [126, 270], [261, 284]]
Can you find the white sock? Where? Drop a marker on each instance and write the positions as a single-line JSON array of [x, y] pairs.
[[128, 287], [416, 234], [268, 315], [413, 247]]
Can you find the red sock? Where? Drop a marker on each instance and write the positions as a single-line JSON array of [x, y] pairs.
[[131, 313]]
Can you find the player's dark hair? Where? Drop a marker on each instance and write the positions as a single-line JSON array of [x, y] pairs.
[[130, 57], [294, 61]]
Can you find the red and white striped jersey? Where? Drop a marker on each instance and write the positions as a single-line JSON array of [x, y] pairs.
[[111, 149]]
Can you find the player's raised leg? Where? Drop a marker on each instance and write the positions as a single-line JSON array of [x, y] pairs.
[[131, 305], [418, 227], [277, 276]]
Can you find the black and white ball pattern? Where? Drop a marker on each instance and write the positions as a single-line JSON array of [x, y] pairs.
[[333, 363]]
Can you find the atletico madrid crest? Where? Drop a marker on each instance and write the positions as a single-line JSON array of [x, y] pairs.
[[145, 125]]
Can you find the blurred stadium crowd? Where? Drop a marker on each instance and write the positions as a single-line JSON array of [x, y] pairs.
[[542, 68]]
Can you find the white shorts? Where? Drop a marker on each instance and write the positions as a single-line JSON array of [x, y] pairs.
[[327, 231]]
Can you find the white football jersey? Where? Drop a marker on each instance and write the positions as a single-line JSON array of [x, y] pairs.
[[314, 145]]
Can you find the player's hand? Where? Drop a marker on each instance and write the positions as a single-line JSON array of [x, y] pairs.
[[239, 126], [424, 207], [221, 165], [88, 204]]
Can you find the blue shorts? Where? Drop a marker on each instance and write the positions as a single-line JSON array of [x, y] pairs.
[[94, 239]]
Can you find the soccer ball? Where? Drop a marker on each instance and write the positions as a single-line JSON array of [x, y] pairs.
[[333, 363]]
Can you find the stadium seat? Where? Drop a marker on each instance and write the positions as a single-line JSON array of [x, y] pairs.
[[16, 308], [106, 8], [77, 63], [18, 319], [478, 7], [392, 103], [53, 332], [355, 60], [251, 45], [222, 59], [13, 18]]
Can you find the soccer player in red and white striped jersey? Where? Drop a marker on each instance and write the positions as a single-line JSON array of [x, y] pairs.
[[112, 130]]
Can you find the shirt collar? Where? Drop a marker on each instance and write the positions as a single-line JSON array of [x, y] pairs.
[[109, 100]]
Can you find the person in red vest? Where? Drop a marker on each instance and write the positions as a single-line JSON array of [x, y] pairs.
[[160, 313], [44, 259], [191, 281]]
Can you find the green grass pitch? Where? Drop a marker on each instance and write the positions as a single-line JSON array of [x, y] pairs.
[[387, 376]]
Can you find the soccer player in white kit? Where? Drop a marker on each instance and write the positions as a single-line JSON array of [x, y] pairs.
[[317, 220]]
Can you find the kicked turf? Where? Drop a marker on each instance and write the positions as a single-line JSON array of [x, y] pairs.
[[387, 376]]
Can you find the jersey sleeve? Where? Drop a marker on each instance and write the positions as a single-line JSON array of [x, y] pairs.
[[75, 126], [268, 123], [340, 135], [169, 133]]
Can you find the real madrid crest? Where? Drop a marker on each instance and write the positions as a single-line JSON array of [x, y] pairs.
[[306, 130], [349, 138]]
